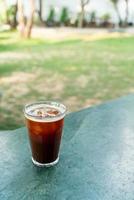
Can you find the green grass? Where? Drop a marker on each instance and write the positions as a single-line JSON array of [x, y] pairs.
[[79, 73]]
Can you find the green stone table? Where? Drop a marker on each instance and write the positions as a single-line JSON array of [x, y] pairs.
[[96, 160]]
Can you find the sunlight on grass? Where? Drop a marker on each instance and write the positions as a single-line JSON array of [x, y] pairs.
[[77, 72]]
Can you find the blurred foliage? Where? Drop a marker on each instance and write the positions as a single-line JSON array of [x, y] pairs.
[[9, 16], [114, 1], [12, 15], [37, 20], [93, 17], [51, 17], [64, 17], [106, 17], [105, 21], [77, 72], [2, 12]]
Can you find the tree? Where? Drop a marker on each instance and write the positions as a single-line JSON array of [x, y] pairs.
[[106, 20], [93, 17], [3, 12], [51, 17], [127, 13], [83, 3], [106, 17], [115, 4], [40, 11], [25, 24], [6, 12], [11, 16], [64, 18]]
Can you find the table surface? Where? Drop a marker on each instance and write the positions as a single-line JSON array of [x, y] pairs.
[[96, 159]]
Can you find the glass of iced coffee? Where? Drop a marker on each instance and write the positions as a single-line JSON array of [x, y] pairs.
[[45, 121]]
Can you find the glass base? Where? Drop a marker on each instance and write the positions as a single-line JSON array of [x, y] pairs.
[[45, 164]]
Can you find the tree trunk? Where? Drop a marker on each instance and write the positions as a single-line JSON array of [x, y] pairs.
[[25, 27], [118, 14], [21, 18], [14, 23], [127, 13], [29, 23], [40, 11], [81, 17], [83, 3]]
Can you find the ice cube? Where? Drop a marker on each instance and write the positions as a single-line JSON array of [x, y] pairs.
[[52, 112]]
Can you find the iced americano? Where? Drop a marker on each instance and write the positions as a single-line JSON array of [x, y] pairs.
[[45, 121]]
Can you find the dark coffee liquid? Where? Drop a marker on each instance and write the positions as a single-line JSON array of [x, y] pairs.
[[45, 139]]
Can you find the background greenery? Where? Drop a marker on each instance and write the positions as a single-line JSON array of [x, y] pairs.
[[80, 73]]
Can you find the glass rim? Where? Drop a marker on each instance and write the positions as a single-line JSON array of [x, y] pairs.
[[53, 103]]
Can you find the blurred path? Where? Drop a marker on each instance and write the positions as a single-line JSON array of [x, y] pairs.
[[77, 33]]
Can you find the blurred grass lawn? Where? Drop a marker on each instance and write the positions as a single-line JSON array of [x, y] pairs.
[[76, 72]]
